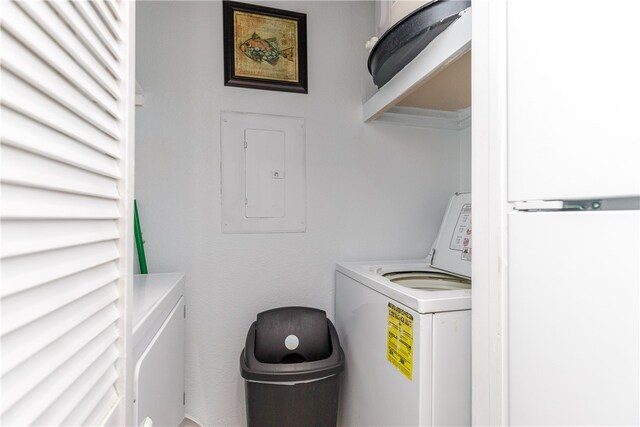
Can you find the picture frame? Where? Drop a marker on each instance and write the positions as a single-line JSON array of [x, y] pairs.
[[264, 48]]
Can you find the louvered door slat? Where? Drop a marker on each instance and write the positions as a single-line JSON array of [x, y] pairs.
[[86, 362], [33, 203], [90, 15], [46, 330], [19, 274], [38, 236], [25, 377], [72, 18], [76, 391], [113, 8], [24, 133], [107, 18], [39, 27], [37, 72], [20, 96], [97, 85], [55, 295], [66, 107], [93, 397], [26, 169], [103, 406], [45, 13]]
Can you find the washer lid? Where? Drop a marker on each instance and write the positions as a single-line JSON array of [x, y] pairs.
[[452, 249]]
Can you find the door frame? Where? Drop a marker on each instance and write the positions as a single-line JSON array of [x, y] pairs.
[[489, 198]]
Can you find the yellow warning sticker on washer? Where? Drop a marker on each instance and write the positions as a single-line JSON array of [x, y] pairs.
[[400, 340]]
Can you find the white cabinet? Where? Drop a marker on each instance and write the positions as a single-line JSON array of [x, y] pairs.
[[159, 373], [573, 91], [158, 352]]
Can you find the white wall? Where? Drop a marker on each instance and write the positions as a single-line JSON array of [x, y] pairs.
[[465, 159], [373, 191]]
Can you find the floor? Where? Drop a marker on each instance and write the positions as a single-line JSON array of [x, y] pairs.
[[188, 423]]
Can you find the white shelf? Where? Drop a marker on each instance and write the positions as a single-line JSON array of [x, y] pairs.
[[424, 118], [446, 48]]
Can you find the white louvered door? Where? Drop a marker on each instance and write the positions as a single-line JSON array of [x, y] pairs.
[[66, 95]]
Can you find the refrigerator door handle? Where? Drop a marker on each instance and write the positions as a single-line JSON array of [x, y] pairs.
[[612, 204], [557, 205]]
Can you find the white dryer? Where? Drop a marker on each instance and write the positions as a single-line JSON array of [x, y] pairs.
[[405, 328]]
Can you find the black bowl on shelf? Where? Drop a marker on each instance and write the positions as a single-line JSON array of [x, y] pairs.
[[401, 43]]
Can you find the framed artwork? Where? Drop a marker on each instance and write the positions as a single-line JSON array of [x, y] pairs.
[[264, 48]]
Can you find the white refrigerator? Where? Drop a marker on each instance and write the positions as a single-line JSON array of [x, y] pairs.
[[573, 176]]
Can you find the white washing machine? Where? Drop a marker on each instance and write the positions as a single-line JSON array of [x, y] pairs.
[[405, 328]]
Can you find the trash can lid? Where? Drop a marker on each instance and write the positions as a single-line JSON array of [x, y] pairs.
[[292, 335], [294, 344]]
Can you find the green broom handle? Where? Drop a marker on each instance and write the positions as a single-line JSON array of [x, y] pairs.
[[142, 260]]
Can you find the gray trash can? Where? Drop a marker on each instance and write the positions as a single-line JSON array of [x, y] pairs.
[[291, 363]]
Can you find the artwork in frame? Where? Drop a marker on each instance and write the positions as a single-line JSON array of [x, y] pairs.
[[264, 48]]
